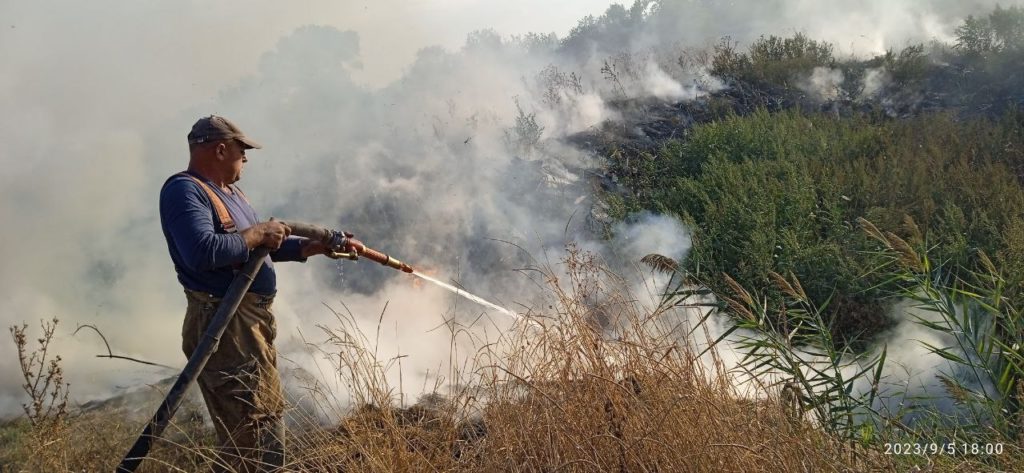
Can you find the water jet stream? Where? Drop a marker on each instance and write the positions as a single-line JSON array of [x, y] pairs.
[[472, 297]]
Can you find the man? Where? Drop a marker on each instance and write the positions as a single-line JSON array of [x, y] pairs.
[[210, 229]]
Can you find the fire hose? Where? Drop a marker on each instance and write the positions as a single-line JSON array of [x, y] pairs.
[[341, 245]]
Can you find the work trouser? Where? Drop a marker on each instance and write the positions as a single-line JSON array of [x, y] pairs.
[[240, 384]]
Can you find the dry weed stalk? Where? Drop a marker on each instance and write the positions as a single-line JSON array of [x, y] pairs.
[[44, 378], [44, 384]]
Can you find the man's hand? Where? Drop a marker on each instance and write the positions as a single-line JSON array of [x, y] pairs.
[[269, 234], [342, 245], [354, 246]]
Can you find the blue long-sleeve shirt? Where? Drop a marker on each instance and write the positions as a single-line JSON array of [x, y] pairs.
[[204, 256]]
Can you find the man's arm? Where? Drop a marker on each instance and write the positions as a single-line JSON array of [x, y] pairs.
[[186, 213], [185, 209], [291, 250]]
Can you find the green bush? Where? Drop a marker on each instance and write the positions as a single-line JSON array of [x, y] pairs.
[[782, 191], [772, 59]]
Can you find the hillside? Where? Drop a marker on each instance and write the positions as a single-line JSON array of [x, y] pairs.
[[840, 290]]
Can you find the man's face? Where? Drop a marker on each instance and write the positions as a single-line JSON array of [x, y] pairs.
[[233, 158]]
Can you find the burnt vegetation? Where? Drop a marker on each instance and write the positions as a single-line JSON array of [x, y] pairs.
[[773, 171]]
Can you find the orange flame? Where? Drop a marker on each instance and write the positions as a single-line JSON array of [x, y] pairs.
[[417, 282]]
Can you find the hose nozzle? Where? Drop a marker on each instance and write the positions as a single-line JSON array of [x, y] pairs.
[[343, 241], [384, 259]]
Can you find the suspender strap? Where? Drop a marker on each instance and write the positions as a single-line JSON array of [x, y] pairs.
[[218, 204], [240, 193]]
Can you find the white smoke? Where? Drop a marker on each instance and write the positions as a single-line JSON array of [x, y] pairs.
[[865, 28], [367, 125], [911, 380], [824, 84], [660, 85], [97, 123], [648, 233], [875, 81]]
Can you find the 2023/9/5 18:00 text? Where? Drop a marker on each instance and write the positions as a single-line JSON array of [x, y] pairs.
[[944, 449]]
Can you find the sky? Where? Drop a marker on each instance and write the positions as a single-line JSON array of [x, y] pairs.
[[209, 45], [382, 118]]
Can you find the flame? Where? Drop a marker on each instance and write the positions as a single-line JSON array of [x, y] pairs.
[[419, 283]]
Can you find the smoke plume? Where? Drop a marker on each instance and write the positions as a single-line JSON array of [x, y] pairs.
[[428, 135]]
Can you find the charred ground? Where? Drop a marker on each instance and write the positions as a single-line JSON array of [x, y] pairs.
[[773, 170]]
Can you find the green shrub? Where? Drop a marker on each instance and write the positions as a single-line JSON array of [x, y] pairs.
[[782, 191], [771, 60]]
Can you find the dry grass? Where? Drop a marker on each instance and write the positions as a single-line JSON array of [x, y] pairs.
[[96, 441], [564, 398], [570, 397]]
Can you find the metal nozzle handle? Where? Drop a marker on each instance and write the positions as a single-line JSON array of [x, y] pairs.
[[338, 255]]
